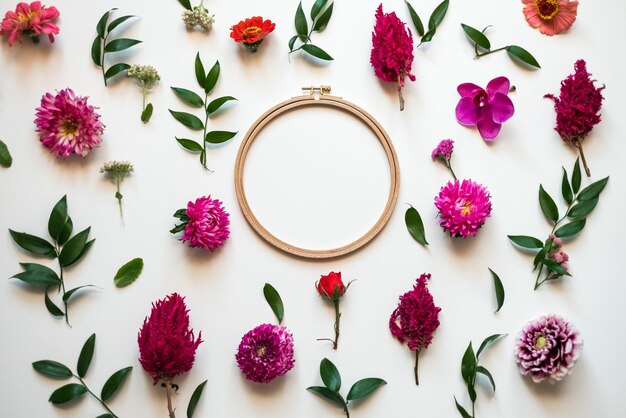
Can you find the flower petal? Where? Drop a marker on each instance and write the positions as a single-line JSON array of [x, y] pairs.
[[467, 112], [488, 128], [501, 108], [468, 89], [498, 85]]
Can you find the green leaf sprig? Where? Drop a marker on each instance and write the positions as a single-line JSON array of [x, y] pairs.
[[69, 392], [580, 203], [481, 42], [274, 300], [321, 12], [435, 19], [470, 369], [5, 156], [332, 384], [207, 82], [68, 250], [102, 46], [414, 225]]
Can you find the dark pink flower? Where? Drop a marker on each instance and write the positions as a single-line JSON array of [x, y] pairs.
[[392, 50], [67, 124], [32, 21], [463, 207], [265, 353], [206, 223], [167, 347], [444, 150], [416, 318], [487, 109]]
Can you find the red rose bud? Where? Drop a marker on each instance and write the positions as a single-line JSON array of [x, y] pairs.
[[327, 284]]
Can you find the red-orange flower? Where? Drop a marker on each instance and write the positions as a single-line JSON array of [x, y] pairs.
[[550, 16], [252, 31]]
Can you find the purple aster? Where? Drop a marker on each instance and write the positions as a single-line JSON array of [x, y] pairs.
[[265, 353]]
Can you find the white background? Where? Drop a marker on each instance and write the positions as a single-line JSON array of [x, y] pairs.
[[224, 289]]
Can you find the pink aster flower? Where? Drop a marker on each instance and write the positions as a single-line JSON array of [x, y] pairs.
[[547, 348], [463, 207], [392, 50], [577, 107], [265, 353], [31, 21], [67, 124], [415, 319], [487, 109], [205, 223], [550, 16]]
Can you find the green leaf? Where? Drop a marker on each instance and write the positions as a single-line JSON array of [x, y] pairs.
[[67, 393], [87, 247], [364, 388], [330, 375], [328, 394], [485, 372], [292, 41], [73, 250], [57, 219], [488, 341], [187, 119], [51, 307], [193, 402], [429, 35], [120, 44], [200, 74], [186, 4], [147, 113], [525, 241], [321, 23], [38, 275], [555, 267], [548, 206], [86, 354], [570, 229], [415, 226], [96, 51], [103, 22], [67, 295], [66, 231], [128, 273], [188, 97], [316, 52], [468, 364], [471, 391], [522, 55], [33, 244], [114, 383], [118, 22], [273, 299], [593, 190], [566, 189], [438, 14], [461, 410], [417, 22], [576, 177], [211, 77], [217, 103], [106, 416], [203, 157], [476, 36], [541, 255], [584, 208], [302, 27], [115, 69], [499, 289], [317, 8], [217, 137], [52, 368], [190, 145], [5, 156]]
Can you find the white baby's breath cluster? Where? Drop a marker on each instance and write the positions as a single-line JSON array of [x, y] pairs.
[[199, 16], [146, 75], [117, 169]]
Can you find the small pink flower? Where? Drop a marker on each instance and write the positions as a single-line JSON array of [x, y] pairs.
[[487, 109], [463, 207], [205, 223], [550, 16], [31, 21], [444, 150]]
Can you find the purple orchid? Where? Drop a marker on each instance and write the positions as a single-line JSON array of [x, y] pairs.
[[488, 110]]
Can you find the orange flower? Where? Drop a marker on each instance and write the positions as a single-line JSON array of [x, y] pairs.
[[550, 16], [252, 31]]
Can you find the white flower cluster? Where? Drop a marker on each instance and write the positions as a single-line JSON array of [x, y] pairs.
[[117, 169], [146, 75], [199, 16]]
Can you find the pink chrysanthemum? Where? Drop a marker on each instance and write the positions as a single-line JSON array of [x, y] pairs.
[[392, 50], [207, 225], [550, 16], [547, 348], [444, 150], [31, 21], [463, 207], [167, 346], [67, 124], [265, 353]]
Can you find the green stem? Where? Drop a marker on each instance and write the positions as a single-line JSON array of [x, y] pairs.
[[473, 413], [67, 317], [345, 409], [337, 319], [490, 52], [206, 121], [145, 93], [168, 393], [448, 164], [104, 42], [579, 145], [97, 398], [417, 357], [119, 196]]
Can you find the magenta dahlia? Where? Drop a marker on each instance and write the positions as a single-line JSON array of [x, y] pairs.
[[67, 124], [415, 319], [463, 207], [265, 353], [31, 20], [547, 348], [204, 222]]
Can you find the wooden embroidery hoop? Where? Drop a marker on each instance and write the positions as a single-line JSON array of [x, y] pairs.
[[317, 96]]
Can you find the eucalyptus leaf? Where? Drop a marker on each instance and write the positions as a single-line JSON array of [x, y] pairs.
[[273, 299], [555, 267], [316, 52], [189, 144], [5, 156], [321, 23], [86, 354], [330, 375], [187, 119], [522, 55], [57, 218], [525, 241], [570, 229], [146, 114], [302, 27], [417, 22], [328, 394], [576, 176], [67, 295], [217, 103], [186, 4], [584, 208], [52, 368], [67, 393], [415, 226], [128, 273], [38, 275], [548, 206], [490, 339], [498, 288], [438, 14], [476, 36], [100, 27], [114, 383], [118, 22], [195, 397], [188, 96], [461, 410], [33, 244], [53, 309], [120, 44], [485, 372], [211, 77], [217, 137], [468, 364], [96, 51], [593, 190], [115, 69], [199, 68], [566, 189], [317, 8], [364, 388], [73, 249]]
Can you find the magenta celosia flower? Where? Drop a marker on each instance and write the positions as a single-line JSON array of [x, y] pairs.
[[31, 21], [577, 107], [205, 222], [547, 348], [67, 124], [463, 207], [415, 319], [265, 353], [487, 109], [392, 50]]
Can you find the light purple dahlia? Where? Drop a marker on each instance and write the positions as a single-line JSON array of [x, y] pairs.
[[463, 207], [547, 348], [265, 352]]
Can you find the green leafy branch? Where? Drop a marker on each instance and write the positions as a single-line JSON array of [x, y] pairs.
[[67, 250], [481, 42], [470, 369], [580, 203], [101, 45], [321, 12], [435, 19], [71, 391], [414, 225], [332, 384], [207, 82]]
